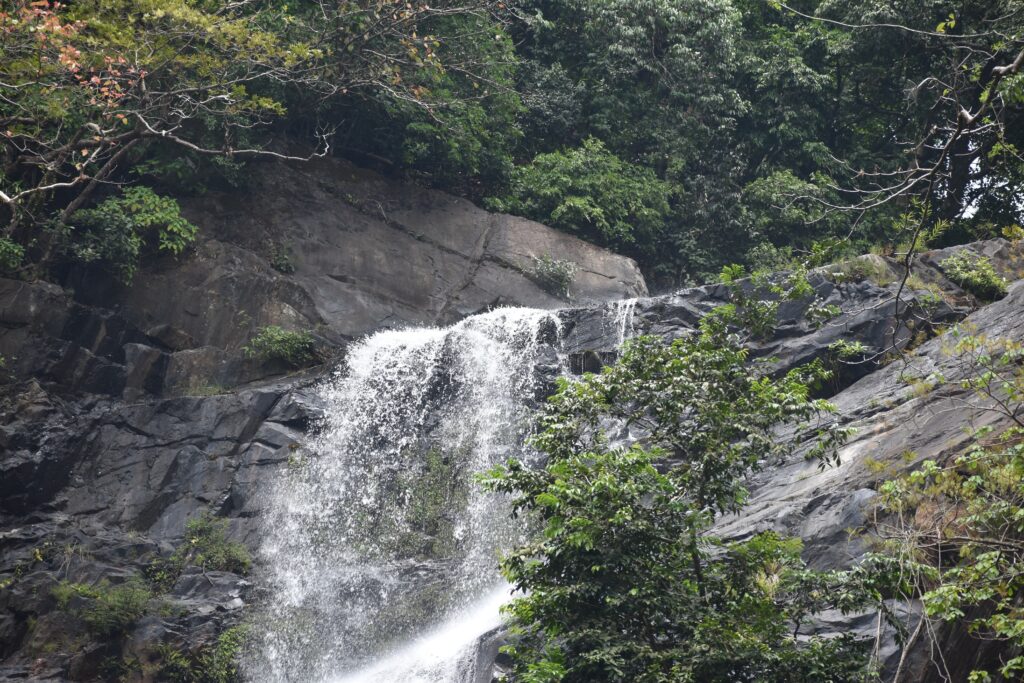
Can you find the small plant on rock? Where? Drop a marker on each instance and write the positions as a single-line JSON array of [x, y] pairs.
[[215, 663], [275, 343], [860, 269], [975, 274], [206, 546], [1014, 232], [553, 275], [65, 591], [110, 610], [281, 259], [114, 609]]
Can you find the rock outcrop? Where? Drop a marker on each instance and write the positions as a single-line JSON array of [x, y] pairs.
[[104, 460], [359, 253], [323, 247], [124, 412]]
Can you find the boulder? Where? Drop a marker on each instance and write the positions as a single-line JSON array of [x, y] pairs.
[[355, 252]]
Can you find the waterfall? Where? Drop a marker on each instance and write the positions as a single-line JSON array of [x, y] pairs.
[[380, 550], [623, 314]]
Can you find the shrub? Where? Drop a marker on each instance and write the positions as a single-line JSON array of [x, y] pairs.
[[863, 268], [553, 275], [590, 191], [115, 609], [1014, 232], [975, 274], [215, 663], [280, 259], [206, 545], [116, 231], [11, 255], [274, 343], [64, 591]]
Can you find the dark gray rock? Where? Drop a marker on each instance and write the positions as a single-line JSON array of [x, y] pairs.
[[899, 422], [367, 253], [104, 461], [869, 314]]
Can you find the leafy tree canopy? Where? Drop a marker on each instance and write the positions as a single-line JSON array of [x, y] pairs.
[[698, 132], [591, 192], [623, 582]]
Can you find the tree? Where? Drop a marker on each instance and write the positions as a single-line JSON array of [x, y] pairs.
[[945, 100], [653, 81], [591, 192], [623, 582], [952, 530], [86, 87]]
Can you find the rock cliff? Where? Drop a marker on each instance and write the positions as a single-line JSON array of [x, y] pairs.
[[125, 412]]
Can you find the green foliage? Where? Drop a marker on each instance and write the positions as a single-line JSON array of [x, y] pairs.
[[654, 82], [215, 663], [1014, 233], [112, 610], [116, 231], [181, 92], [623, 583], [281, 260], [591, 192], [64, 591], [972, 507], [553, 275], [206, 546], [687, 133], [845, 350], [469, 137], [109, 611], [155, 215], [274, 343], [755, 299], [975, 274], [783, 209], [11, 255], [764, 121], [952, 532]]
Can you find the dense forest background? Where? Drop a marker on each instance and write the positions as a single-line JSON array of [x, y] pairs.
[[704, 138], [685, 133]]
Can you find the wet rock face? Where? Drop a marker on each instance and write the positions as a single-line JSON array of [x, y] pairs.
[[104, 459], [94, 489]]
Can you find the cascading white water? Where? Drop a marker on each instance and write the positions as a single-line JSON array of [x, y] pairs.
[[623, 314], [380, 549]]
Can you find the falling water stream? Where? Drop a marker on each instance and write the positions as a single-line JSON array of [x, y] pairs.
[[381, 551]]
